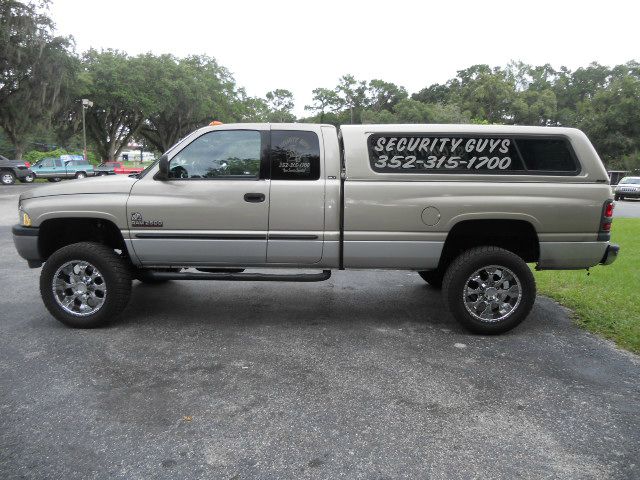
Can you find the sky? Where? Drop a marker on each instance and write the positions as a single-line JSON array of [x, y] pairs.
[[302, 45]]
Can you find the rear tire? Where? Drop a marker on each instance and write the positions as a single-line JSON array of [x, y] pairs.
[[7, 178], [80, 175], [433, 278], [73, 277], [489, 290]]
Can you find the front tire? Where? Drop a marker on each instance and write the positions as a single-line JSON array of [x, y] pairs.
[[85, 285], [28, 179], [7, 178], [54, 179], [489, 290]]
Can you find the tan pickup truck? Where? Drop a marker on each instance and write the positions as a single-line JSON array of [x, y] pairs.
[[465, 206]]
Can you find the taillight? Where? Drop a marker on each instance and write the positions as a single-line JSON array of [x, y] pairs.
[[605, 221], [27, 164], [608, 209]]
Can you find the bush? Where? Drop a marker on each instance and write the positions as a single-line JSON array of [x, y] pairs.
[[33, 156]]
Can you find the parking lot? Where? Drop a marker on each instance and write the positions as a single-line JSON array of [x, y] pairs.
[[362, 376]]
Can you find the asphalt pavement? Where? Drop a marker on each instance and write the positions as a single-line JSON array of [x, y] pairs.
[[363, 376]]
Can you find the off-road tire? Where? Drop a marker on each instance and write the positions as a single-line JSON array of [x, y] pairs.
[[433, 278], [459, 273], [115, 270]]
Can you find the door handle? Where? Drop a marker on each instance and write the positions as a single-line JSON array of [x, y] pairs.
[[254, 197]]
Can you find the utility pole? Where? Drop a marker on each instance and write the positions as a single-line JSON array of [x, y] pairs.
[[85, 104]]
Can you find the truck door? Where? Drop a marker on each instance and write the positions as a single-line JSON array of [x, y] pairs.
[[50, 168], [214, 208], [296, 214]]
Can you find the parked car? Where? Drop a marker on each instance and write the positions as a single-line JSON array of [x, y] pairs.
[[12, 170], [114, 168], [628, 187], [55, 169], [465, 206]]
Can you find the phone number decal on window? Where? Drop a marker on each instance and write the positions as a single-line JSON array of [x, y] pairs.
[[425, 154]]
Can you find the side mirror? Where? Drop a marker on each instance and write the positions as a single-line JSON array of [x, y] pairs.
[[163, 168]]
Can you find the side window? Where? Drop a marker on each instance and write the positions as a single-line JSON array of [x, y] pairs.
[[295, 155], [478, 154], [219, 154], [547, 155], [58, 162], [47, 162]]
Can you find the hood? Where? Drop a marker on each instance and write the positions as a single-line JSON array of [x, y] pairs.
[[104, 184]]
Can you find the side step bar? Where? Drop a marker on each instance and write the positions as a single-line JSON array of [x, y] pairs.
[[242, 277]]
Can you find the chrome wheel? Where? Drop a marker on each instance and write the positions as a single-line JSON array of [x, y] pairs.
[[492, 293], [7, 179], [29, 178], [79, 288]]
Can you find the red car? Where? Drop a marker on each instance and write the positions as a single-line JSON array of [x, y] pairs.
[[113, 168]]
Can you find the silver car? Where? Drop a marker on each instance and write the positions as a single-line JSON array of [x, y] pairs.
[[628, 187]]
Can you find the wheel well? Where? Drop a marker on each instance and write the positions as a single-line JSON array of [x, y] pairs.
[[517, 236], [59, 232]]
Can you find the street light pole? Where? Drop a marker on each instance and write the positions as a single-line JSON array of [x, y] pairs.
[[85, 104]]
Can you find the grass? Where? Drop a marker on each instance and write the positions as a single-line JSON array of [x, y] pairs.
[[606, 302]]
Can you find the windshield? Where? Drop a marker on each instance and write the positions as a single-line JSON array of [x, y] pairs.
[[634, 180]]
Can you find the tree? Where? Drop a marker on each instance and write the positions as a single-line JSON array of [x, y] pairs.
[[324, 100], [353, 96], [120, 89], [186, 94], [37, 71], [384, 95], [280, 103]]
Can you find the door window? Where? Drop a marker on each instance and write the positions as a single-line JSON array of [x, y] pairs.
[[47, 162], [220, 154], [295, 155]]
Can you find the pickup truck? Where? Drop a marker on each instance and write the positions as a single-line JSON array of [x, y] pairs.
[[115, 168], [465, 206], [55, 169]]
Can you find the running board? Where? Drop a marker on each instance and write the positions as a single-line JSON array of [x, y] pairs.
[[242, 277]]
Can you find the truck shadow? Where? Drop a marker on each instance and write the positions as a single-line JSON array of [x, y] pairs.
[[379, 302]]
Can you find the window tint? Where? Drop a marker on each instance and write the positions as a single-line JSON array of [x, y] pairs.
[[393, 153], [295, 155], [220, 154], [551, 155], [442, 154], [58, 162]]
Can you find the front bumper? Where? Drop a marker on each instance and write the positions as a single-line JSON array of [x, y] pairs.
[[610, 254], [26, 241], [627, 194]]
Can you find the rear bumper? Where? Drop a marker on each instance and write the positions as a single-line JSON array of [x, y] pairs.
[[610, 255], [571, 255], [26, 241]]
